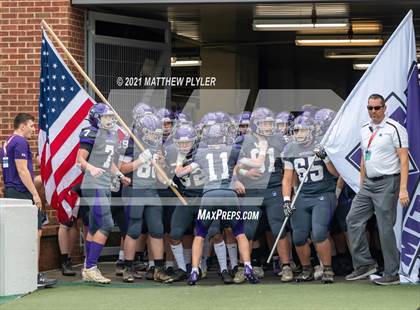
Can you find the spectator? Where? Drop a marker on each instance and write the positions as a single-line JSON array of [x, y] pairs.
[[383, 180], [18, 173]]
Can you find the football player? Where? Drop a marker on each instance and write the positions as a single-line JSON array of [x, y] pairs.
[[98, 144], [323, 119], [259, 176], [217, 160], [284, 124], [316, 202], [167, 118], [142, 197]]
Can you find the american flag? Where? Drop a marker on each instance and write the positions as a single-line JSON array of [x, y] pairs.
[[63, 108]]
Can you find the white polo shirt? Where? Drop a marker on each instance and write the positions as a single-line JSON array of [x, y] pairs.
[[383, 159]]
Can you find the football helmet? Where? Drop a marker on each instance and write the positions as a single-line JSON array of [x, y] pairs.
[[141, 109], [215, 134], [167, 118], [149, 130], [323, 119], [262, 122], [303, 129], [242, 122], [184, 138], [102, 116], [284, 122]]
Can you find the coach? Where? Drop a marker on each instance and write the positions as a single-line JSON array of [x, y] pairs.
[[383, 179], [18, 173]]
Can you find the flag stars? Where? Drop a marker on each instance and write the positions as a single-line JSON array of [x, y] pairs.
[[63, 77], [48, 87], [54, 88], [71, 88], [41, 105], [42, 80], [43, 41], [63, 88], [44, 116], [54, 99], [54, 77], [53, 110], [55, 66], [62, 99]]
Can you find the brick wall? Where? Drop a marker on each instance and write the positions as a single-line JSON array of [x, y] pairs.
[[20, 42]]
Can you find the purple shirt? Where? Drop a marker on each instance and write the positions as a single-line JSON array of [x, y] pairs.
[[17, 148]]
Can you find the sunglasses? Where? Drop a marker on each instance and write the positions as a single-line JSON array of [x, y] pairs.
[[376, 108]]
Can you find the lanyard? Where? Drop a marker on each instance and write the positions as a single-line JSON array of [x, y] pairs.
[[371, 138], [5, 145]]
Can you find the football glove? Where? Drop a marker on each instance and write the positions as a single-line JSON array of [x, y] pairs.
[[320, 152], [146, 156], [288, 208]]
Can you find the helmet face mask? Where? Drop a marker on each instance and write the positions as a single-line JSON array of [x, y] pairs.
[[152, 138], [167, 127], [265, 127], [302, 135], [184, 147], [282, 128], [108, 121], [243, 129]]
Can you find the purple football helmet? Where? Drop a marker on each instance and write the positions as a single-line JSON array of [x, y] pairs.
[[323, 119], [184, 138], [167, 118], [284, 122], [309, 110], [149, 129], [215, 134], [141, 109], [102, 116], [303, 129], [262, 122]]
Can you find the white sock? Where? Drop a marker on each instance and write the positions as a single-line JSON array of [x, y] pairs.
[[121, 255], [220, 250], [233, 254], [151, 263], [194, 269], [169, 263], [178, 251], [187, 255], [248, 264]]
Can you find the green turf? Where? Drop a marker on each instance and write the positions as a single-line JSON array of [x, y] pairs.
[[268, 296]]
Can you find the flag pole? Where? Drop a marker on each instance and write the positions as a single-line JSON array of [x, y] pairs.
[[45, 26]]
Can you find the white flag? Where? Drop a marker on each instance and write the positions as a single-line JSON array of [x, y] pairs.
[[394, 75]]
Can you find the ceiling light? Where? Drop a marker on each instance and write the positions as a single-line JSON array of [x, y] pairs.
[[351, 53], [185, 62], [366, 65], [338, 41], [299, 24]]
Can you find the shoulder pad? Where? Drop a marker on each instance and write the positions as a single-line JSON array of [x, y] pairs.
[[88, 134]]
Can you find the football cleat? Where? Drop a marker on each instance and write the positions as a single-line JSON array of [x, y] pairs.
[[286, 274], [226, 277], [193, 278], [94, 275], [178, 275], [234, 271], [250, 275], [307, 274], [128, 275], [239, 276], [318, 271], [42, 281], [150, 273], [161, 276], [327, 276], [67, 269], [258, 271], [276, 265], [119, 268]]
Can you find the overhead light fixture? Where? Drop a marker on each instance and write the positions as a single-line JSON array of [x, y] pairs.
[[351, 53], [299, 24], [338, 41], [366, 65], [185, 62], [360, 66]]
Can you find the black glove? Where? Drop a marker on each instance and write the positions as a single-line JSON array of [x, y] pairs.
[[288, 208], [320, 152]]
